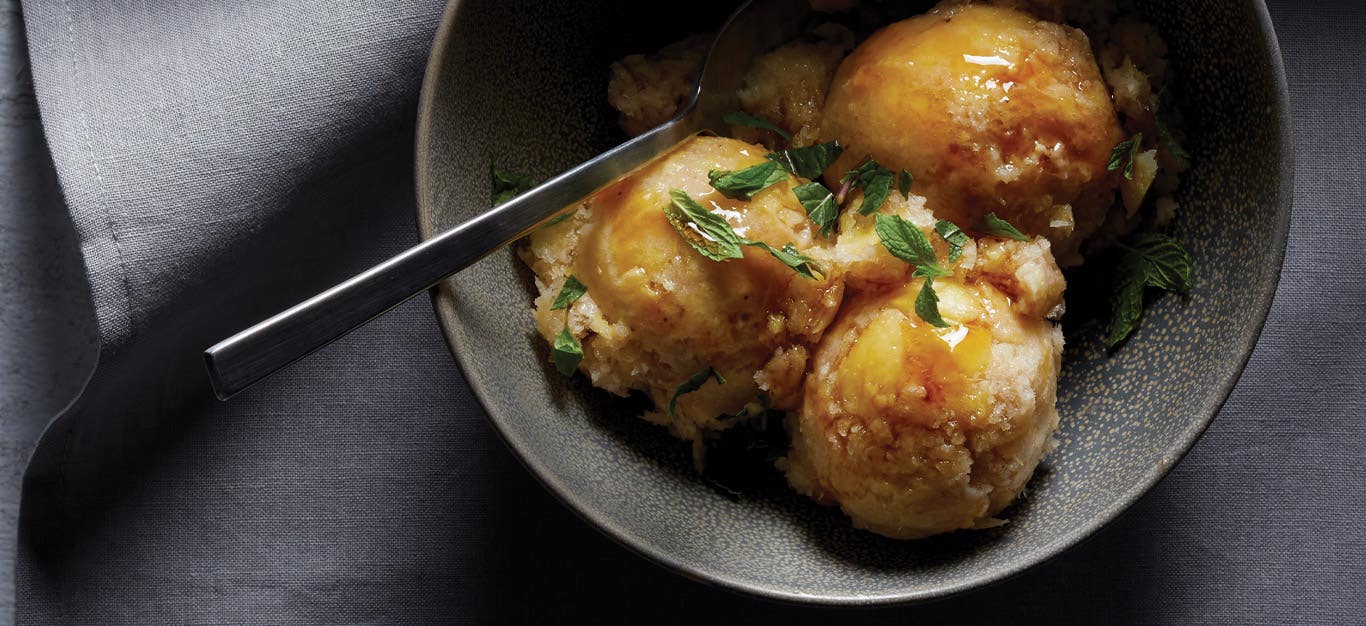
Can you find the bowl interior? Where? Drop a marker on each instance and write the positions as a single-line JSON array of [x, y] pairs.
[[520, 85]]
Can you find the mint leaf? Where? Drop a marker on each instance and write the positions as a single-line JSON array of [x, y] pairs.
[[1166, 264], [1123, 155], [569, 294], [1150, 260], [819, 204], [954, 235], [568, 352], [707, 232], [713, 236], [906, 242], [998, 227], [746, 411], [751, 409], [927, 304], [1164, 135], [507, 186], [876, 182], [904, 182], [694, 383], [559, 218], [809, 162], [1126, 301], [791, 257], [743, 184], [740, 118]]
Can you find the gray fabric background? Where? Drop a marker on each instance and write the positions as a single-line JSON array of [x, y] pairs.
[[47, 334], [221, 160]]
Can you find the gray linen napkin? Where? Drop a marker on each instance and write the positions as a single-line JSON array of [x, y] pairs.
[[224, 159]]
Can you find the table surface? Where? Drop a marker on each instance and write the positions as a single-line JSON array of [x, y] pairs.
[[47, 339]]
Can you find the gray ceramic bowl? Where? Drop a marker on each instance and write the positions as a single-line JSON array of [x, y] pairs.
[[521, 84]]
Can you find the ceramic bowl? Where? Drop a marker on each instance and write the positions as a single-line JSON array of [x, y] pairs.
[[521, 85]]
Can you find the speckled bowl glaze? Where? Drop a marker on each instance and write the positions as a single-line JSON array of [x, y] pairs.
[[521, 84]]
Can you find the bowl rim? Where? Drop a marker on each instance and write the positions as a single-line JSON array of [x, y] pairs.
[[443, 302]]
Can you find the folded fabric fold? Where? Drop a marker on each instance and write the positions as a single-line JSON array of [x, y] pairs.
[[220, 161]]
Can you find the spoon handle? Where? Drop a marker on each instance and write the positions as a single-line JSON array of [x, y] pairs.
[[252, 354]]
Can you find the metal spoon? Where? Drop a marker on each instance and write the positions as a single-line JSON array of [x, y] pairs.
[[252, 354]]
